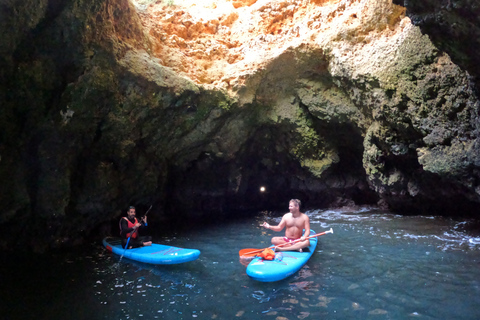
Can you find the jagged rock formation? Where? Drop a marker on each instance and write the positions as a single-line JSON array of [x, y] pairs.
[[453, 26], [194, 106]]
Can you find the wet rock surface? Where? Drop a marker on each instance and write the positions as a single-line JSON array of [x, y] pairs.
[[194, 107], [453, 26]]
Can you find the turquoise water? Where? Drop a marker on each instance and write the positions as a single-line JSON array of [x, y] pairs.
[[375, 266]]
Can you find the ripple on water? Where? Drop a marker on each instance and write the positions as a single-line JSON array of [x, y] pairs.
[[375, 266]]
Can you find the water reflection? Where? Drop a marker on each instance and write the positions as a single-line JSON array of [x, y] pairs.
[[376, 265]]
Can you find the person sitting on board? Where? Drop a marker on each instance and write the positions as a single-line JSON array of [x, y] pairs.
[[129, 226], [295, 222]]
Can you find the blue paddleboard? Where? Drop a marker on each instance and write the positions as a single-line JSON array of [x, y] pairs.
[[154, 254], [287, 263]]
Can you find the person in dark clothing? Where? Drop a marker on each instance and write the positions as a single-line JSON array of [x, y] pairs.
[[129, 227]]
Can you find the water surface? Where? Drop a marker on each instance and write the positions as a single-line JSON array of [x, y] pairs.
[[375, 266]]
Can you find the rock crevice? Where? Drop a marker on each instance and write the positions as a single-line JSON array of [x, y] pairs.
[[195, 106]]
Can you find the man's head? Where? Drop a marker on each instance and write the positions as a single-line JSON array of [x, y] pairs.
[[131, 212], [294, 204]]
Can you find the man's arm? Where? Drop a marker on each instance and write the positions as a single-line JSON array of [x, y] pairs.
[[125, 228], [277, 228], [306, 227], [143, 221], [143, 224]]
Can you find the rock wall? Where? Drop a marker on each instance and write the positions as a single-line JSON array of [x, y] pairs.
[[453, 26], [192, 107]]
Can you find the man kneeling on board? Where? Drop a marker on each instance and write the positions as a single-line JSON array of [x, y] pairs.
[[294, 221], [129, 226]]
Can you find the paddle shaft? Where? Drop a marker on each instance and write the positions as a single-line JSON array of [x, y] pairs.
[[128, 240], [141, 219], [148, 210], [284, 244]]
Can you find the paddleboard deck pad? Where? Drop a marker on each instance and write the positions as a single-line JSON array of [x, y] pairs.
[[154, 254], [284, 265]]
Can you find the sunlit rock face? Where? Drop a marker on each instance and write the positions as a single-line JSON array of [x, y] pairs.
[[194, 106]]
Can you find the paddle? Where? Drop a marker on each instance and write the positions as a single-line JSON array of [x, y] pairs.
[[128, 240], [147, 211], [253, 252]]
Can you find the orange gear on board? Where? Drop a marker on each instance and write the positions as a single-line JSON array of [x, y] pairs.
[[267, 254]]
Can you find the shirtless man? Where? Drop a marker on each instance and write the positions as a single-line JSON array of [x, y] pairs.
[[295, 221]]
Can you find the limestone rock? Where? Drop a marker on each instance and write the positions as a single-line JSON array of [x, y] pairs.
[[192, 106]]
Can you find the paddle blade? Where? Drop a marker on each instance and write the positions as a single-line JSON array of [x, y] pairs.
[[249, 252]]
